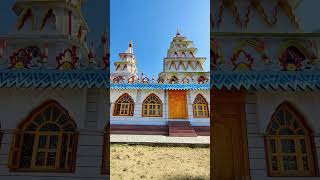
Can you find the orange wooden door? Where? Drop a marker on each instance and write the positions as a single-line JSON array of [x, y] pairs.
[[229, 158], [177, 104]]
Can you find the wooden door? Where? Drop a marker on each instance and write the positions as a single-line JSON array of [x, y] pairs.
[[229, 158], [177, 104]]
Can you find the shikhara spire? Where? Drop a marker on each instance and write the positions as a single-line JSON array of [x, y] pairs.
[[180, 66], [125, 67], [52, 35], [130, 48]]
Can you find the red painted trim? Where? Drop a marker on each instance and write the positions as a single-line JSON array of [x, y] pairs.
[[70, 23], [48, 15]]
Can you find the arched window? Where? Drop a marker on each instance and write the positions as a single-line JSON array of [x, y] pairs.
[[200, 107], [152, 106], [45, 141], [106, 151], [289, 144], [124, 106]]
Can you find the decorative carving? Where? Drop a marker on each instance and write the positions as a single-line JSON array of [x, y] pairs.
[[68, 59], [173, 80], [131, 80], [185, 80], [291, 59], [145, 80], [48, 17], [255, 5], [245, 64], [25, 16], [21, 59], [118, 79], [202, 79], [160, 80], [91, 55]]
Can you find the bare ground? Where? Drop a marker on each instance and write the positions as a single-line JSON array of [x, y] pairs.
[[165, 163]]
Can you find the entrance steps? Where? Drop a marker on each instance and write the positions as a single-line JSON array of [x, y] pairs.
[[181, 129], [138, 129]]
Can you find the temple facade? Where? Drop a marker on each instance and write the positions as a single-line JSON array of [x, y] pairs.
[[265, 79], [175, 103], [54, 95]]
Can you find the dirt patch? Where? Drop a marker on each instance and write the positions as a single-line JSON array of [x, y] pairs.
[[166, 163]]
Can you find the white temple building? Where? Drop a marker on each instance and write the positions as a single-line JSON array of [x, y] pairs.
[[176, 103]]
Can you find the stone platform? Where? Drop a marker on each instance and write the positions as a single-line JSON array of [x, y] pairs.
[[159, 139]]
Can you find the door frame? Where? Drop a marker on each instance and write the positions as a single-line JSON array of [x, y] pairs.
[[186, 104], [229, 96]]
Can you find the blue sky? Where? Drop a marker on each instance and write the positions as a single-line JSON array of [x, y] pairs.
[[151, 25], [94, 11]]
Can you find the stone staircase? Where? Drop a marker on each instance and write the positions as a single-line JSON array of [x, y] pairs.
[[138, 129], [181, 129]]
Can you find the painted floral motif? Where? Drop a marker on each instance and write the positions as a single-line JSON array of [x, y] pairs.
[[68, 59], [202, 79], [291, 59], [244, 64], [21, 59], [118, 79]]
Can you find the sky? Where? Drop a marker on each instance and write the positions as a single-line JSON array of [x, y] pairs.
[[94, 12], [152, 24]]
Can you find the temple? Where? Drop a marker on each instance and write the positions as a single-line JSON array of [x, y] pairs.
[[54, 95], [176, 103], [265, 91]]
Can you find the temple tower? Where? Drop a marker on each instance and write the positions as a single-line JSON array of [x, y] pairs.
[[47, 32], [181, 64], [125, 67]]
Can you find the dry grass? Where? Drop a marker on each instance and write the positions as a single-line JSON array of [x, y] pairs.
[[165, 163]]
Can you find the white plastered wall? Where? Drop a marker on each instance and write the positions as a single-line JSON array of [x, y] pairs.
[[139, 95]]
